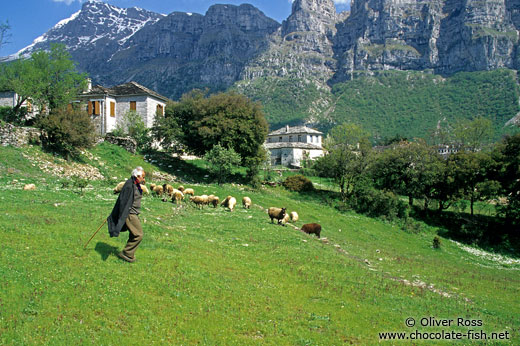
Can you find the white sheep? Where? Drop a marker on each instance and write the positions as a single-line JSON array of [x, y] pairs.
[[246, 202], [29, 187], [189, 191], [213, 200], [177, 196], [294, 216], [200, 201]]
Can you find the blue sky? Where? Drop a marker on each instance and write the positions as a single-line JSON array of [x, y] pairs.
[[31, 18]]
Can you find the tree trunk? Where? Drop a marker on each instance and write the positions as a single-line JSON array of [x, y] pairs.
[[410, 201]]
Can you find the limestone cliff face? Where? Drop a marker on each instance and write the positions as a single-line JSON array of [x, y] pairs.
[[446, 36], [184, 50]]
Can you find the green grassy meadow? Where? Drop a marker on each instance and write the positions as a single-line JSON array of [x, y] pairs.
[[215, 277]]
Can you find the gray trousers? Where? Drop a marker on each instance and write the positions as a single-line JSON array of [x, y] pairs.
[[133, 226]]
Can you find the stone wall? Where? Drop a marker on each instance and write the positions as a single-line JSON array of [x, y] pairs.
[[18, 136], [126, 142]]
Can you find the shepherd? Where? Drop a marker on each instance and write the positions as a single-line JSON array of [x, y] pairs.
[[125, 215]]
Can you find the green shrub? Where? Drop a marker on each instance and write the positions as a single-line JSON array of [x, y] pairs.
[[436, 242], [67, 131], [298, 183], [377, 203]]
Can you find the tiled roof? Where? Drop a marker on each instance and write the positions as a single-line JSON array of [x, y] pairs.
[[299, 145], [127, 89], [295, 130]]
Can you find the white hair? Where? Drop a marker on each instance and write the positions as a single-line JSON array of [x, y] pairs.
[[138, 171]]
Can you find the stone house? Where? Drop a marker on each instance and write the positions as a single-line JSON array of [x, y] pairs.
[[289, 146], [107, 106], [10, 99]]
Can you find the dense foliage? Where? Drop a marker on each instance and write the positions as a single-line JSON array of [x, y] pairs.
[[48, 79], [198, 122], [222, 162], [67, 131], [132, 125], [298, 183]]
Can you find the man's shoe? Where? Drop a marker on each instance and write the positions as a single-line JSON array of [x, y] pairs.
[[125, 257]]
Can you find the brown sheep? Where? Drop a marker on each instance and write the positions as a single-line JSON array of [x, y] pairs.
[[158, 190], [276, 213], [312, 228], [181, 188], [200, 201]]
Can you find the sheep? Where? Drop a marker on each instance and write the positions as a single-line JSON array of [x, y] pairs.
[[213, 200], [177, 196], [312, 228], [181, 188], [168, 189], [246, 202], [276, 213], [189, 191], [199, 200], [119, 187], [285, 219], [29, 187], [158, 189], [152, 186], [294, 216], [229, 202]]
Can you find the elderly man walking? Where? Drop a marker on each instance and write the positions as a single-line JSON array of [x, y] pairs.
[[125, 215]]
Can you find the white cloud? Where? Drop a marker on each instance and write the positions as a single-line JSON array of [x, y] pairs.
[[67, 2]]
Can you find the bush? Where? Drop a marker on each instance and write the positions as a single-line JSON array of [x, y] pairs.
[[133, 126], [377, 203], [298, 183], [67, 131], [436, 242]]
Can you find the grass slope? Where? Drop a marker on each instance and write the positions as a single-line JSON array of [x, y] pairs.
[[215, 277]]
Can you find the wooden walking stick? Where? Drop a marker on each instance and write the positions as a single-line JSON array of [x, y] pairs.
[[84, 247]]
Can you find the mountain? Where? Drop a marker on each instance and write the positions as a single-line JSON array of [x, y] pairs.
[[297, 68]]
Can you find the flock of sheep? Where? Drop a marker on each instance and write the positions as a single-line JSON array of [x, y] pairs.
[[177, 195]]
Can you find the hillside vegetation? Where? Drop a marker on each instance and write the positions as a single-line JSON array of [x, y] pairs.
[[215, 277], [394, 102]]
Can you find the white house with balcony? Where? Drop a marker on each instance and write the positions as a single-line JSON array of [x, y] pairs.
[[107, 106], [289, 146]]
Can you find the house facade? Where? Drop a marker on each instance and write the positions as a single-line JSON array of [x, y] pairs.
[[107, 106], [10, 99], [289, 146]]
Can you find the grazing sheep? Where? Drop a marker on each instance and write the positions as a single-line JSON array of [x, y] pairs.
[[152, 186], [28, 187], [168, 189], [177, 196], [213, 200], [294, 216], [312, 228], [181, 188], [158, 189], [246, 202], [276, 213], [200, 201], [285, 219], [119, 187], [189, 191], [229, 202]]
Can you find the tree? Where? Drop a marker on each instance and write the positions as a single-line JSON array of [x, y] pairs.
[[67, 131], [222, 162], [412, 169], [199, 122], [348, 156], [5, 35], [132, 125], [474, 134], [49, 79], [507, 154], [470, 176]]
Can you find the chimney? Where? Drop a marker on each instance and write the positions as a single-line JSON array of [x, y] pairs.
[[287, 129], [89, 84]]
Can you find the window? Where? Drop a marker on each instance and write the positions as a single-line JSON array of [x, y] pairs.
[[94, 108], [159, 110], [280, 139], [269, 140], [299, 138], [133, 105], [112, 109], [290, 138]]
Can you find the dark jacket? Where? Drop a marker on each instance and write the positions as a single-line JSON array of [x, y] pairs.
[[117, 218]]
